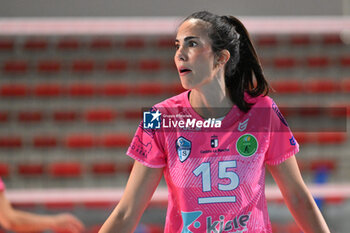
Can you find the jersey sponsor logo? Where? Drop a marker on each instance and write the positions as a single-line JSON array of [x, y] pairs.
[[141, 148], [247, 145], [279, 114], [151, 119], [235, 225], [243, 125], [183, 148], [188, 218], [214, 141], [292, 141]]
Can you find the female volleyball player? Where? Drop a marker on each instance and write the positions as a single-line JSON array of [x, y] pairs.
[[21, 221], [215, 175]]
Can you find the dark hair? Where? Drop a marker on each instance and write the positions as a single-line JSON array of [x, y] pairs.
[[227, 32]]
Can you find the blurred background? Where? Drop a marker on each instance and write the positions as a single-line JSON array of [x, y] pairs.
[[74, 76]]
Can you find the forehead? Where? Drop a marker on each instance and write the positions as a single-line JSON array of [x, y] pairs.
[[193, 27]]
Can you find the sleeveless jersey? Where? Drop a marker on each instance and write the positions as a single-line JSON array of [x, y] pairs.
[[215, 171]]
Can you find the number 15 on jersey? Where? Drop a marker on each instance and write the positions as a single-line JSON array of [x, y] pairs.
[[204, 169]]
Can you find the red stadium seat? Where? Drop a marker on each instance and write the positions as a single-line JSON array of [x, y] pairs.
[[267, 40], [60, 205], [10, 142], [285, 62], [115, 140], [321, 86], [7, 44], [82, 90], [48, 90], [49, 66], [331, 138], [30, 116], [4, 116], [15, 66], [116, 65], [35, 44], [4, 170], [334, 200], [45, 141], [345, 85], [134, 43], [317, 62], [104, 168], [345, 61], [101, 43], [332, 39], [310, 111], [132, 114], [287, 86], [165, 43], [80, 141], [328, 164], [302, 137], [339, 110], [149, 89], [65, 169], [65, 115], [287, 111], [149, 65], [300, 40], [14, 90], [100, 115], [83, 66], [115, 89], [68, 44], [30, 169]]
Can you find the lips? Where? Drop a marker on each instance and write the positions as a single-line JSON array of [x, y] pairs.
[[184, 70]]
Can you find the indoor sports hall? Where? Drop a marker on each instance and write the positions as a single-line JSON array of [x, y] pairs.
[[75, 77]]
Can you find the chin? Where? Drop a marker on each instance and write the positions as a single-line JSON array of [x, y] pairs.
[[186, 85]]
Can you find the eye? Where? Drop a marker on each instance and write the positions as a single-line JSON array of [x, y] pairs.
[[176, 46], [192, 43]]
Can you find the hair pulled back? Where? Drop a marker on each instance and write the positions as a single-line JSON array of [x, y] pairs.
[[227, 32]]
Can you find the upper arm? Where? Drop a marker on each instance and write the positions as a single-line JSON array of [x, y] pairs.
[[141, 185], [288, 178], [6, 211]]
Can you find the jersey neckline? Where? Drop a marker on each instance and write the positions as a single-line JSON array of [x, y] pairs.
[[228, 120]]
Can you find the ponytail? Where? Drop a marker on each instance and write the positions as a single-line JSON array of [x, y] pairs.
[[227, 32], [241, 79]]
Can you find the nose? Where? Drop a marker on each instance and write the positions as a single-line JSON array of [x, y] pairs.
[[180, 54]]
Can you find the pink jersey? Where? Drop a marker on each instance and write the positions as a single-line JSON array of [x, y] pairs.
[[2, 185], [215, 174]]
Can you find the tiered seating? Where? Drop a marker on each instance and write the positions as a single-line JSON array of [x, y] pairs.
[[64, 99], [68, 44], [35, 44], [7, 45], [65, 169], [15, 66], [14, 90]]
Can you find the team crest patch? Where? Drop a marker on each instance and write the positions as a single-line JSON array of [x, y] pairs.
[[247, 145], [214, 141], [183, 148]]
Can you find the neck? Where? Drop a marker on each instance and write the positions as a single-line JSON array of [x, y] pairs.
[[211, 100]]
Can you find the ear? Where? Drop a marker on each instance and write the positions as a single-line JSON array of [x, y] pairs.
[[223, 57]]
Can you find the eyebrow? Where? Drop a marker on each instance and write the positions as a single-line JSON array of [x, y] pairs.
[[188, 38]]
